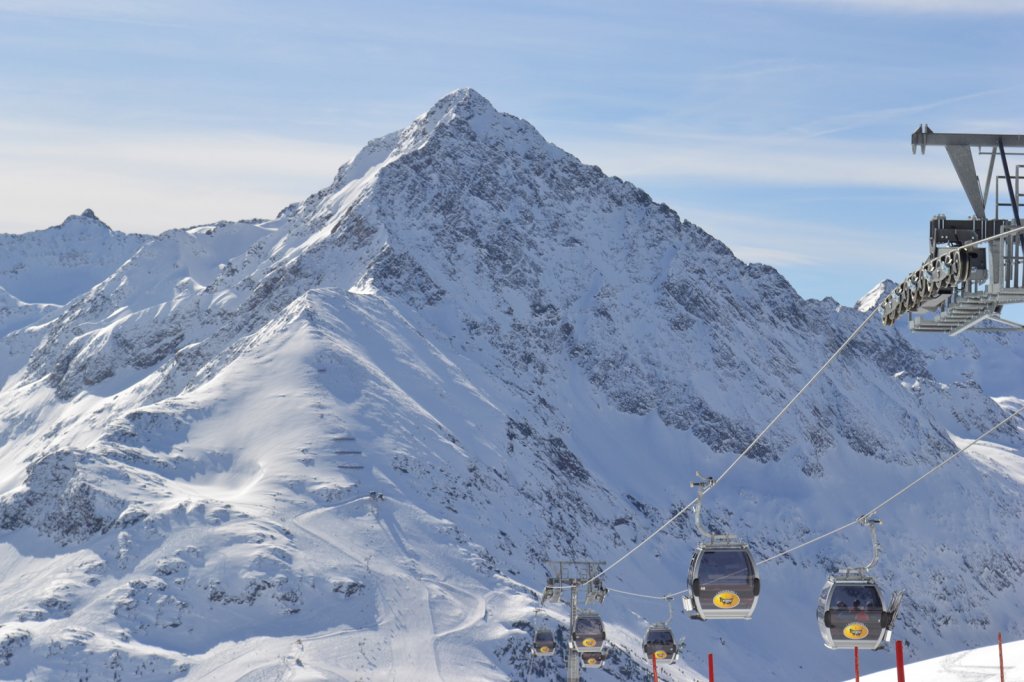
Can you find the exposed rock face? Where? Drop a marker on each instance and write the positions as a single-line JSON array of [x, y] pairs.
[[345, 438]]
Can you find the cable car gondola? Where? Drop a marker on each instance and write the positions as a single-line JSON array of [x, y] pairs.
[[723, 577], [544, 642], [593, 659], [588, 632], [660, 643], [851, 611]]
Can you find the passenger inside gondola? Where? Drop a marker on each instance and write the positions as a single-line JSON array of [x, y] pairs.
[[660, 643], [856, 600], [589, 632], [544, 642], [725, 567], [859, 605], [660, 637]]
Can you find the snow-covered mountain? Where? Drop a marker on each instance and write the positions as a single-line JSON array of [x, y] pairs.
[[340, 444], [59, 263]]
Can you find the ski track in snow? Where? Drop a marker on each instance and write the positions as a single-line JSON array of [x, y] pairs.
[[977, 665], [410, 601], [472, 609]]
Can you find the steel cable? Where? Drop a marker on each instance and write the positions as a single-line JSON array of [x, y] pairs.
[[892, 497], [746, 450], [854, 522], [732, 465]]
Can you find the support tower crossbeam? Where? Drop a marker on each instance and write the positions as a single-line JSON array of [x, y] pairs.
[[572, 576], [964, 285]]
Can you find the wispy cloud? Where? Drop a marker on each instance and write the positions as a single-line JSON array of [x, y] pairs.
[[793, 243], [152, 181], [914, 6], [122, 11], [766, 161], [861, 119], [754, 69]]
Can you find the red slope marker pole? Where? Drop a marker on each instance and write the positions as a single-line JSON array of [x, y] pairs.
[[654, 664], [900, 677], [1002, 675], [711, 668], [856, 663]]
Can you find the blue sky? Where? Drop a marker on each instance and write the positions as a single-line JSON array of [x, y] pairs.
[[780, 126]]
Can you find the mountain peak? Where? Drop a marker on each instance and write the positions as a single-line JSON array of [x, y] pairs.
[[458, 121], [63, 261], [464, 102], [87, 221], [868, 301], [225, 438], [465, 113]]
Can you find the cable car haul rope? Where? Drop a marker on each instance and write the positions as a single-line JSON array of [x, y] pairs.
[[746, 450], [723, 580]]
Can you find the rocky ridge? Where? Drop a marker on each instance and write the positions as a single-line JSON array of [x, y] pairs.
[[260, 446]]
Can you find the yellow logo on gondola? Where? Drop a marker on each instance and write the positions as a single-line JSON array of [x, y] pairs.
[[855, 631], [590, 641], [726, 599], [545, 649], [661, 653], [592, 661]]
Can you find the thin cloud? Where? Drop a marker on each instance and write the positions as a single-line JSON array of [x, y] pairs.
[[754, 237], [765, 161], [754, 69], [847, 122], [984, 7], [151, 181], [149, 12]]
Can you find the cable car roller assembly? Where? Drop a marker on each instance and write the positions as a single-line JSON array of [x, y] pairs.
[[975, 266]]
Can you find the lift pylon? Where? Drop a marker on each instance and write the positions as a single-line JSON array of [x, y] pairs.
[[571, 576], [961, 286]]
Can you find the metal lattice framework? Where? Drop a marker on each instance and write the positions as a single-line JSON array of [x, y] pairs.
[[975, 266], [571, 576]]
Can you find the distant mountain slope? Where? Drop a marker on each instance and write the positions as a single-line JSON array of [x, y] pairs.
[[340, 444], [59, 263]]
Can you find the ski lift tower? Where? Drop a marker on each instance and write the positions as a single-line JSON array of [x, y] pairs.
[[960, 285], [572, 575]]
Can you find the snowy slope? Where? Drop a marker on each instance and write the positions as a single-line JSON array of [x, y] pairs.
[[975, 665], [340, 444]]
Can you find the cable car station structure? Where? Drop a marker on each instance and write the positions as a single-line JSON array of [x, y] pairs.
[[964, 283]]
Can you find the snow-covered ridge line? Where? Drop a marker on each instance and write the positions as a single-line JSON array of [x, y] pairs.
[[339, 443]]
